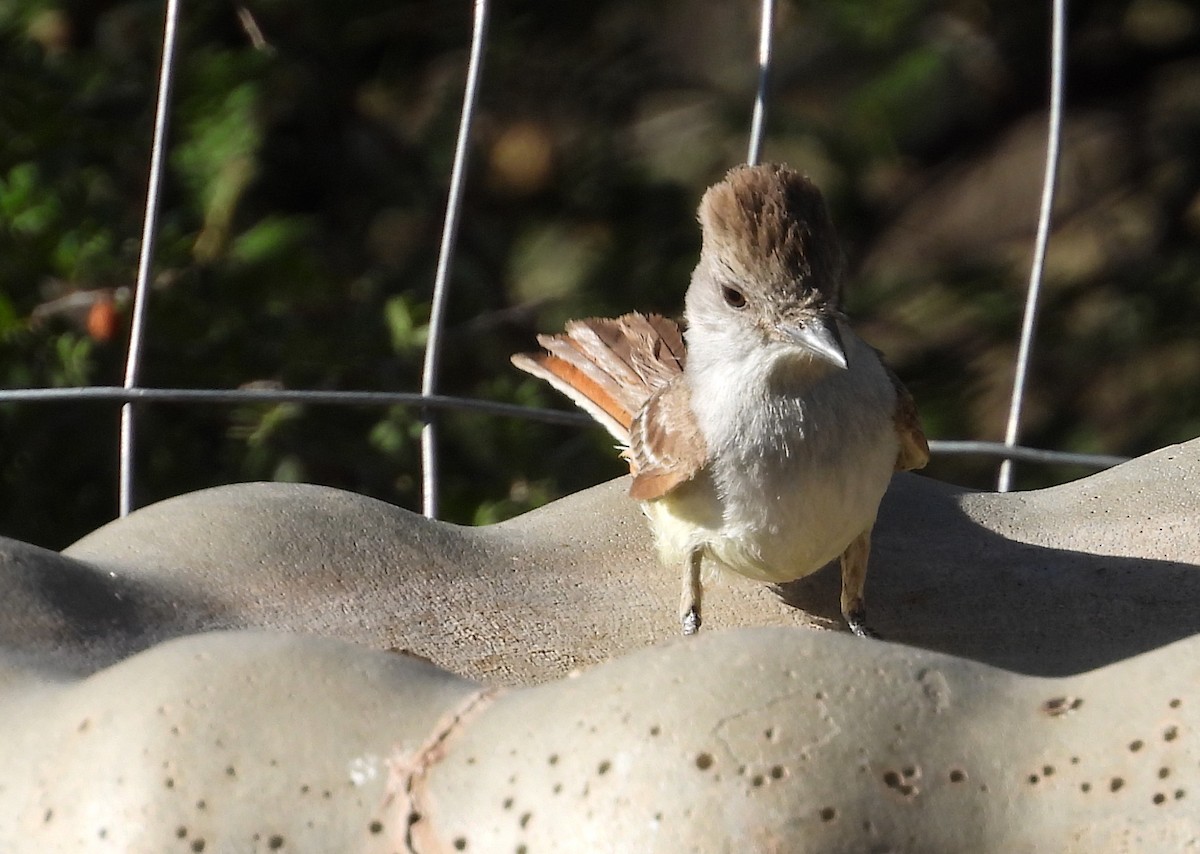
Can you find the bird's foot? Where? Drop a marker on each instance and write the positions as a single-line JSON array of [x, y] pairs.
[[856, 619], [690, 621]]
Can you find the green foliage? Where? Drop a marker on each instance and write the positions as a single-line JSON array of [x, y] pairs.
[[302, 212]]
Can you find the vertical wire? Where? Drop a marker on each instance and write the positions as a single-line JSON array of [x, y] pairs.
[[145, 257], [1054, 134], [759, 119], [437, 314]]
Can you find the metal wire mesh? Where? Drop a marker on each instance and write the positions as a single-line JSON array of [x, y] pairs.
[[427, 399]]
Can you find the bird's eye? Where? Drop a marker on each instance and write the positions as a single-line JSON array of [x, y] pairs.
[[733, 297]]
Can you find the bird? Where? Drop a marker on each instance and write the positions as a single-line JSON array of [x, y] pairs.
[[762, 433]]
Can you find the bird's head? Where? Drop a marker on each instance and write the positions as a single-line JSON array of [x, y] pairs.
[[770, 268]]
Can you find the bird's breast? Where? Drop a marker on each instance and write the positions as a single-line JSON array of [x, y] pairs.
[[794, 474]]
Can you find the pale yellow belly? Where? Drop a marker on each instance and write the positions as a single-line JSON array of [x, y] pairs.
[[776, 535]]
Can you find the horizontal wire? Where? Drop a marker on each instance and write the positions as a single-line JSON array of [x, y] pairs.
[[1000, 450], [940, 447], [333, 398]]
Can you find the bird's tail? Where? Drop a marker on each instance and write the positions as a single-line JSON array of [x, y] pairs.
[[610, 366]]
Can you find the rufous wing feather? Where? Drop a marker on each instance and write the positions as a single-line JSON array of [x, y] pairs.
[[609, 367], [589, 395], [666, 447]]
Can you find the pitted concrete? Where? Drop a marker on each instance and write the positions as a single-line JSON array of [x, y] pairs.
[[1032, 640]]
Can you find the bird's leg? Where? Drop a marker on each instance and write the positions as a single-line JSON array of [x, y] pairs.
[[693, 591], [854, 579]]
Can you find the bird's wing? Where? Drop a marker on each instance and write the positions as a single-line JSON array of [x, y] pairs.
[[914, 448], [610, 367], [666, 447]]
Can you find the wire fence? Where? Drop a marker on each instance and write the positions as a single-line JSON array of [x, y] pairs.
[[429, 402]]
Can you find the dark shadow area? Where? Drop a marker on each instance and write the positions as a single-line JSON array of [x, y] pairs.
[[72, 616], [940, 580]]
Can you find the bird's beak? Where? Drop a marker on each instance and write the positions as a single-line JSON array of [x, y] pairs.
[[820, 337]]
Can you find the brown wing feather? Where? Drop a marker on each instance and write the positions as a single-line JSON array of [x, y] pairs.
[[666, 447], [587, 393], [610, 367], [914, 448]]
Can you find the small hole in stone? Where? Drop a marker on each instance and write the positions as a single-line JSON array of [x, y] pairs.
[[655, 730], [1170, 733], [957, 775], [757, 780], [1033, 779], [778, 772], [460, 844], [1074, 760], [1179, 793], [508, 803], [201, 804], [828, 814], [1164, 773], [230, 771], [524, 820], [1115, 784], [375, 827], [304, 790], [275, 842], [1175, 704], [1047, 770], [521, 849], [769, 733], [603, 767], [909, 772], [891, 778], [103, 833], [169, 783], [1085, 787], [198, 845], [1136, 745], [557, 789], [1159, 798], [704, 761], [180, 832], [553, 760], [820, 695]]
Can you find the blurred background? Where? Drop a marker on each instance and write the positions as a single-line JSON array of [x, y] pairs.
[[310, 152]]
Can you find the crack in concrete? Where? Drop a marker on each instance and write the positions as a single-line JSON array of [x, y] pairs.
[[407, 793]]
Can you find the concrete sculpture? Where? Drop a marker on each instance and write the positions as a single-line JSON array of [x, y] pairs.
[[283, 667]]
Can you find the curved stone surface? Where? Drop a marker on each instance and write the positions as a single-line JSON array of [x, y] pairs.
[[1050, 582], [217, 742], [754, 740], [770, 740], [1086, 595]]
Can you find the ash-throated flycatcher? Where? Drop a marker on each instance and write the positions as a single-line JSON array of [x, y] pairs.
[[767, 443]]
